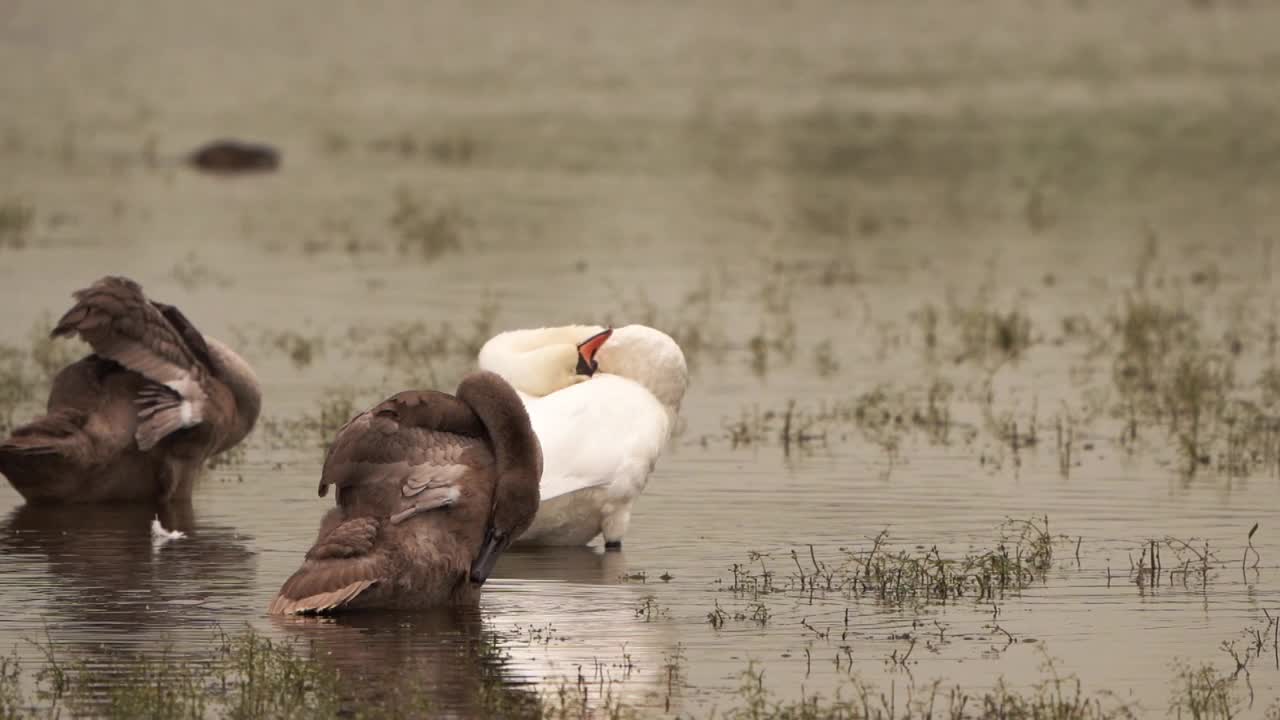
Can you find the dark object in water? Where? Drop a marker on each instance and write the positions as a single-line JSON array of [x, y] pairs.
[[234, 156]]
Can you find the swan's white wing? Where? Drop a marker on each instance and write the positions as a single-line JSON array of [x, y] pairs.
[[593, 434]]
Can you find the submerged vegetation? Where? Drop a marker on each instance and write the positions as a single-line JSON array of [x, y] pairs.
[[249, 675], [902, 577], [26, 374], [426, 233], [1194, 382], [16, 220]]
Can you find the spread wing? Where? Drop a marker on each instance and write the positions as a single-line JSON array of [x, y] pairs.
[[120, 324], [343, 564]]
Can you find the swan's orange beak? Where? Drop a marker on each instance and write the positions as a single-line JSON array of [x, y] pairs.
[[587, 352]]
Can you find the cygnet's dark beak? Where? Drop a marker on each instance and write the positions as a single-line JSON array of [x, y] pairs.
[[587, 352], [495, 541]]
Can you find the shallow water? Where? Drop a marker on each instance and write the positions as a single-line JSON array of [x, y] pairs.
[[775, 185]]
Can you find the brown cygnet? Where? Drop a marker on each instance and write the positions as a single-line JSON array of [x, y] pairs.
[[431, 488], [138, 418]]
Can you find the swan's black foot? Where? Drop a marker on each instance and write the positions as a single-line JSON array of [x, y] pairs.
[[613, 545]]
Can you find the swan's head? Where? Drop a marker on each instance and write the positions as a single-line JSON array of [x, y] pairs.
[[649, 357], [538, 362]]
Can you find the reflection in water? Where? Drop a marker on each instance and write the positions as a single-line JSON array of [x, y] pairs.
[[569, 614], [564, 620], [445, 658], [588, 565], [102, 573]]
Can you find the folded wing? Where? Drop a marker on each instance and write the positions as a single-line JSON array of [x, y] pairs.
[[596, 432], [342, 565], [423, 455]]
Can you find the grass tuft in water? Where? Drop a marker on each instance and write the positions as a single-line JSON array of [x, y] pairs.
[[1022, 555], [425, 232], [1054, 698], [16, 385], [16, 221], [245, 676], [249, 676]]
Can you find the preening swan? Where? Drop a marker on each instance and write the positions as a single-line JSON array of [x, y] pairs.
[[602, 403], [138, 418], [431, 488]]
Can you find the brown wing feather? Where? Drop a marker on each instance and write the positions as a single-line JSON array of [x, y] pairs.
[[342, 565], [120, 324], [419, 440], [187, 331], [410, 454]]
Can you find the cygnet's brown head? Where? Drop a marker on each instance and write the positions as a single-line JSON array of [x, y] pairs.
[[518, 456]]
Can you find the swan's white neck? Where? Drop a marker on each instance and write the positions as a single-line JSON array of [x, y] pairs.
[[537, 362], [540, 361]]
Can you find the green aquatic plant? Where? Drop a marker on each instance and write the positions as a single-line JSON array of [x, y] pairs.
[[1053, 698], [906, 577], [50, 354], [16, 220], [247, 675], [426, 232], [987, 334], [302, 350], [192, 273], [242, 676], [17, 386], [1203, 693]]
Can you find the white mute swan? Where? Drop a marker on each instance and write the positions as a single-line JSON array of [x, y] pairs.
[[602, 403]]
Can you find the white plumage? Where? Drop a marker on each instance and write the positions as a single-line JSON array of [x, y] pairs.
[[601, 434]]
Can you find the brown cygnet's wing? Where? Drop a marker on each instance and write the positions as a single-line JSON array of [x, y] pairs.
[[121, 324], [343, 564]]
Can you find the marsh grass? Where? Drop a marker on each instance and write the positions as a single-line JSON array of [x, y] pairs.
[[314, 429], [193, 273], [913, 577], [426, 232], [243, 676], [978, 330], [695, 322], [791, 428], [1204, 693], [231, 458], [1053, 698], [16, 220], [885, 416], [50, 355], [426, 356], [1173, 561], [247, 675], [403, 356], [1155, 374], [301, 349], [453, 149], [1169, 372], [17, 385]]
